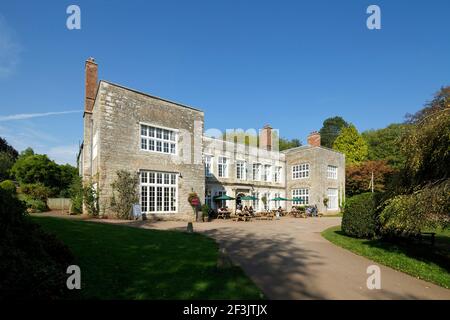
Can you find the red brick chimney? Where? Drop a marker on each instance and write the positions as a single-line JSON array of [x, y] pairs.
[[265, 138], [91, 73], [314, 139]]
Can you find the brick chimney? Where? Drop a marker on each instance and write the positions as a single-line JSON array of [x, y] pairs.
[[265, 138], [91, 74], [314, 139]]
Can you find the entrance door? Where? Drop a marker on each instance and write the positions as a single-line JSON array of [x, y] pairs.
[[332, 199], [239, 200]]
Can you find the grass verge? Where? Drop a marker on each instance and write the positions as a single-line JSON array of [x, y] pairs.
[[422, 261]]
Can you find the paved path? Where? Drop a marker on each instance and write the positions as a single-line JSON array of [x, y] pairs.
[[289, 259]]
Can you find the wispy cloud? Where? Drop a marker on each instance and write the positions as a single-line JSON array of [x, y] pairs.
[[64, 154], [23, 116], [9, 49]]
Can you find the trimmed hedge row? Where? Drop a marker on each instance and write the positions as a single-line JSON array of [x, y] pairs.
[[360, 217]]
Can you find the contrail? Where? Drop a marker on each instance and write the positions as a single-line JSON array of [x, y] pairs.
[[22, 116]]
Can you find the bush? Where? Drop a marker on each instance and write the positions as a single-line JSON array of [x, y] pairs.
[[428, 208], [90, 199], [8, 186], [76, 194], [125, 193], [36, 191], [360, 218], [33, 205], [34, 263]]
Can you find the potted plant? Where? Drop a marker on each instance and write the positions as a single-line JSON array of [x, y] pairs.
[[194, 201], [325, 202], [205, 212]]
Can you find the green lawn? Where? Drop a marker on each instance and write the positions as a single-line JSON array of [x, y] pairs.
[[119, 262], [419, 260]]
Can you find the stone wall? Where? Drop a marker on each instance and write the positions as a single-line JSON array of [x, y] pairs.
[[117, 115], [318, 158]]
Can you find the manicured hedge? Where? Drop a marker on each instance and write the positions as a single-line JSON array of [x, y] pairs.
[[360, 218]]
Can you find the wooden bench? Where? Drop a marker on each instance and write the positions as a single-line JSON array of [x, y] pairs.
[[429, 235]]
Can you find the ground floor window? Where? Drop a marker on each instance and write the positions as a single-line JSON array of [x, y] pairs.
[[158, 192], [255, 202], [208, 199], [277, 203], [332, 199], [300, 196], [221, 203]]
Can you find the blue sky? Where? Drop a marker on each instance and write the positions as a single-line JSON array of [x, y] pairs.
[[245, 63]]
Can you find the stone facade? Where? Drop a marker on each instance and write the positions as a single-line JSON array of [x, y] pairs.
[[121, 126]]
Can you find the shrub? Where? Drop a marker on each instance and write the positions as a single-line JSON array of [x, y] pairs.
[[76, 194], [33, 262], [360, 217], [36, 190], [428, 208], [125, 193], [205, 210], [33, 205], [90, 198], [8, 186]]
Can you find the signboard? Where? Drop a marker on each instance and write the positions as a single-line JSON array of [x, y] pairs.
[[137, 212]]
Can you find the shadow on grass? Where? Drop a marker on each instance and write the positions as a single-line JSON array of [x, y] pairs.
[[119, 262]]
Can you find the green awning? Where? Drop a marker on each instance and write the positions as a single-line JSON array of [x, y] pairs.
[[223, 197], [251, 198], [280, 199]]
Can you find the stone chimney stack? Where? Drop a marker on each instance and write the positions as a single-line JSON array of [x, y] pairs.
[[314, 139], [91, 74], [265, 138]]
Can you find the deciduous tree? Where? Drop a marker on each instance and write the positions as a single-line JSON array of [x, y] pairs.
[[352, 145]]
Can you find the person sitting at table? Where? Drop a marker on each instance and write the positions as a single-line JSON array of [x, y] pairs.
[[250, 209], [245, 209]]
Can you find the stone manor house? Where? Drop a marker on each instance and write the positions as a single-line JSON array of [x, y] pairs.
[[164, 142]]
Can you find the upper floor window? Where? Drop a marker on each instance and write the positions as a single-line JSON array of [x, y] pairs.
[[300, 171], [158, 139], [240, 170], [256, 172], [332, 172], [208, 165], [223, 167], [266, 172], [277, 175]]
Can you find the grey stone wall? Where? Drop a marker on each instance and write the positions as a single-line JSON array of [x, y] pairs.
[[318, 158], [117, 115]]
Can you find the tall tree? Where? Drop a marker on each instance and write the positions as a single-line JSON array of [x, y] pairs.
[[358, 177], [384, 144], [6, 147], [331, 129], [351, 143]]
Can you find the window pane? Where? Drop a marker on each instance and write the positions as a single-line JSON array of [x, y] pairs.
[[143, 130], [151, 131], [143, 143]]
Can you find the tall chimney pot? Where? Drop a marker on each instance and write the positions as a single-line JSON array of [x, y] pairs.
[[314, 139], [91, 75]]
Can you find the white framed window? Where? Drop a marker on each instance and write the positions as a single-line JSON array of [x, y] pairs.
[[277, 203], [277, 175], [95, 145], [241, 170], [256, 171], [267, 172], [332, 199], [158, 139], [300, 171], [223, 167], [266, 205], [208, 165], [208, 199], [158, 192], [332, 172], [221, 203], [255, 202], [300, 196]]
